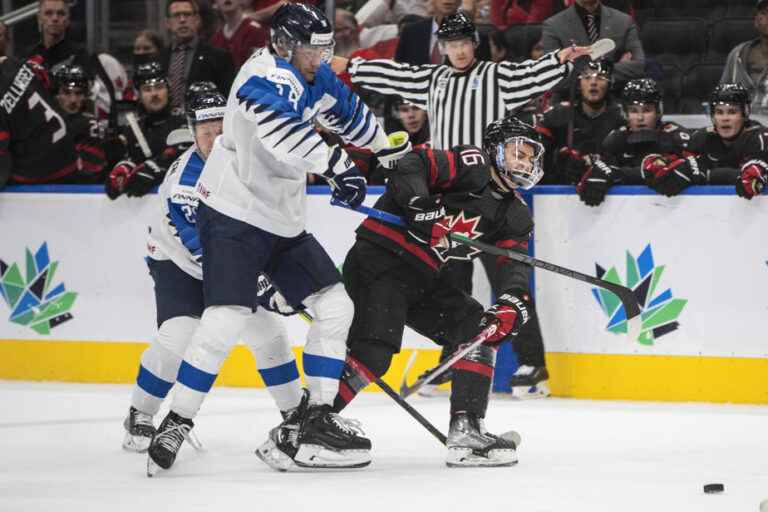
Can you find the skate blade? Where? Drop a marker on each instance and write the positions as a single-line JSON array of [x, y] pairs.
[[136, 444], [273, 457], [152, 468], [430, 391], [467, 458], [316, 456], [540, 390]]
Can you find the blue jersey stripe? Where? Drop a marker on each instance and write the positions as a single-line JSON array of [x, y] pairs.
[[321, 366], [280, 374], [195, 378], [152, 384], [191, 172]]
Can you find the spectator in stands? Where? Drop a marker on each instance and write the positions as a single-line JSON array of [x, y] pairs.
[[499, 49], [514, 12], [747, 63], [413, 120], [55, 46], [3, 39], [573, 133], [262, 10], [147, 47], [732, 151], [381, 12], [625, 149], [350, 36], [146, 154], [189, 59], [239, 35], [586, 22]]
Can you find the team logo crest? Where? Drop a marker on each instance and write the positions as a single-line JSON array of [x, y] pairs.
[[461, 225]]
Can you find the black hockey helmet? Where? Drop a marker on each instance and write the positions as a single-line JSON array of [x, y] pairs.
[[731, 94], [296, 24], [642, 91], [602, 68], [511, 131], [199, 87], [150, 73], [205, 106], [70, 76], [457, 26]]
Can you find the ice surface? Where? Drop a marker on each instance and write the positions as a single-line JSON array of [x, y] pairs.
[[60, 451]]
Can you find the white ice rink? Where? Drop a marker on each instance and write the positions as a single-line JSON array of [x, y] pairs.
[[60, 451]]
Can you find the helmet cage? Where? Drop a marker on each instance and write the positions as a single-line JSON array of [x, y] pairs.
[[285, 45], [525, 170]]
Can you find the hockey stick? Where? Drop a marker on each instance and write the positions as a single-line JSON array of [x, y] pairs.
[[625, 295], [133, 123], [370, 377]]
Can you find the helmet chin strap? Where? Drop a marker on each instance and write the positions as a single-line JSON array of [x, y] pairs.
[[501, 185]]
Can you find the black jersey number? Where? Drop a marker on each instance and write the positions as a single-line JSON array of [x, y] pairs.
[[34, 100]]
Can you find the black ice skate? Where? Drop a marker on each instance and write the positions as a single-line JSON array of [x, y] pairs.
[[281, 445], [139, 430], [167, 441], [469, 445], [326, 440], [530, 382]]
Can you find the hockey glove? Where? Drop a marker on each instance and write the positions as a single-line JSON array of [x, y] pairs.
[[752, 180], [509, 314], [573, 163], [678, 175], [346, 181], [595, 183], [651, 164], [146, 175], [399, 146], [118, 177], [270, 298], [426, 221]]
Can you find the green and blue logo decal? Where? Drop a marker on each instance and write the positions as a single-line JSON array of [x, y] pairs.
[[33, 299], [659, 310]]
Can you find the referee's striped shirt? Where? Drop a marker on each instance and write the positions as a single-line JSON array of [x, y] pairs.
[[461, 104]]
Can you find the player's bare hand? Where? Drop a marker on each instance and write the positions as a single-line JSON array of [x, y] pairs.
[[339, 64]]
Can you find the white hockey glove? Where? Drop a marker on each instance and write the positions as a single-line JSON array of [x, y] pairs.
[[270, 298], [399, 146]]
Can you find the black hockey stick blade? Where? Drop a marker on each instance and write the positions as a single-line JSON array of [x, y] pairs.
[[625, 295]]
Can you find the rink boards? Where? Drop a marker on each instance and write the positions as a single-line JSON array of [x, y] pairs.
[[697, 263]]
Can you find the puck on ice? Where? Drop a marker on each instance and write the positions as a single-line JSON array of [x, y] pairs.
[[713, 488]]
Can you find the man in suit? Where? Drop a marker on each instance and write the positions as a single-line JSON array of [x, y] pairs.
[[188, 59], [418, 41], [589, 20]]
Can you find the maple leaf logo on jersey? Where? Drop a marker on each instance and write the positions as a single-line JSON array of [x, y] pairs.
[[463, 226]]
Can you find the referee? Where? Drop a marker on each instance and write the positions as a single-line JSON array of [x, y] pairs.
[[464, 95], [461, 97]]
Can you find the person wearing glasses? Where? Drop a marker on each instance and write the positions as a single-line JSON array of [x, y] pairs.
[[189, 59]]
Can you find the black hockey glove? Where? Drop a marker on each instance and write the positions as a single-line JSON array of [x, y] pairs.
[[594, 184], [270, 298], [346, 181], [146, 175], [752, 180], [509, 314], [678, 175], [426, 221]]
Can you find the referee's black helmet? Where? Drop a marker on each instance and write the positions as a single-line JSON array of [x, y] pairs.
[[457, 26]]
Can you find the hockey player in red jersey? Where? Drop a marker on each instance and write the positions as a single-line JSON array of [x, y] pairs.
[[393, 274]]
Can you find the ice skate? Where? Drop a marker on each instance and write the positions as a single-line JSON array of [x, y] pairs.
[[469, 445], [167, 441], [530, 382], [326, 440], [281, 445], [139, 430], [433, 388]]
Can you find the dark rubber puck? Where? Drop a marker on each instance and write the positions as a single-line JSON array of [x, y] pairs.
[[713, 488]]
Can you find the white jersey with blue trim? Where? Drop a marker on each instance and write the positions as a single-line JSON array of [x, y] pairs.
[[257, 170], [173, 232]]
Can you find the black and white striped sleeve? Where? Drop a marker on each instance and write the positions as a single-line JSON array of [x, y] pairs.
[[521, 82], [412, 83]]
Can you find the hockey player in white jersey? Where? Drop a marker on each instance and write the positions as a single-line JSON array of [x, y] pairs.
[[251, 219], [174, 259]]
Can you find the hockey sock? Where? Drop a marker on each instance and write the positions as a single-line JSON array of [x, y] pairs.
[[268, 341], [471, 382], [219, 330], [160, 363], [326, 346], [367, 360]]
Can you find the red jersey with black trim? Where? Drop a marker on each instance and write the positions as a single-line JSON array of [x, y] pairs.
[[474, 208], [35, 143]]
